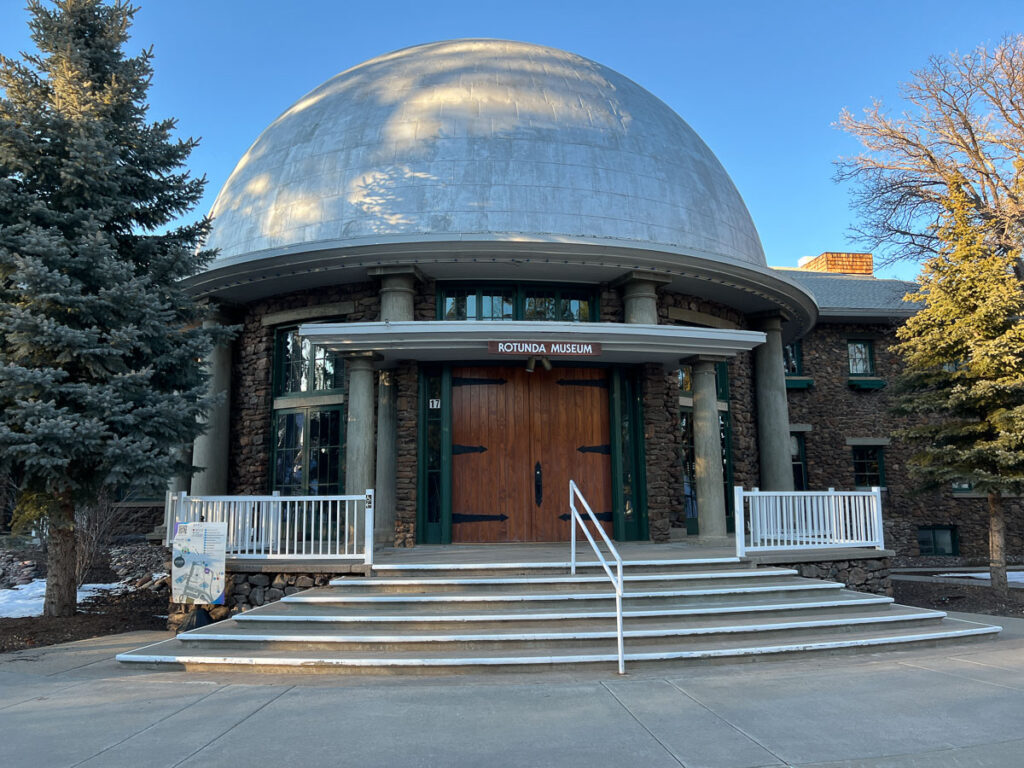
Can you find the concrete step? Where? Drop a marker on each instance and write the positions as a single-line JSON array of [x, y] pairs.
[[596, 591], [566, 637], [657, 579], [540, 656], [443, 616], [553, 568], [536, 616]]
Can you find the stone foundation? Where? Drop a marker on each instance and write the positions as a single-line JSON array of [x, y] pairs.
[[251, 590], [868, 575]]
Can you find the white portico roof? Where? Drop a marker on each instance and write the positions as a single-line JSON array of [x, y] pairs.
[[443, 340]]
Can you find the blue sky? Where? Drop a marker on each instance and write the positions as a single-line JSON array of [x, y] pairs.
[[761, 82]]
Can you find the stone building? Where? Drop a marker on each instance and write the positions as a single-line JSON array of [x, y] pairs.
[[470, 271], [841, 420]]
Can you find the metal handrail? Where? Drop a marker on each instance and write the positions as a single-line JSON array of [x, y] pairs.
[[616, 578]]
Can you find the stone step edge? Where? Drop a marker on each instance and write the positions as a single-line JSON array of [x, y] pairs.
[[487, 597], [539, 565], [485, 661], [189, 637], [254, 615], [751, 573]]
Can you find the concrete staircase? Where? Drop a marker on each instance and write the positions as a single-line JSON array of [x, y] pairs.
[[435, 617]]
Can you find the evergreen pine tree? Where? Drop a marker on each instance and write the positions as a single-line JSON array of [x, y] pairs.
[[964, 368], [100, 383]]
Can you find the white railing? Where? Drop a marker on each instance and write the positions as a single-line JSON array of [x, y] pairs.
[[270, 527], [780, 520], [616, 578]]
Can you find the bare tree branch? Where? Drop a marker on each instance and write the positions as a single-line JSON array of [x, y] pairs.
[[964, 120]]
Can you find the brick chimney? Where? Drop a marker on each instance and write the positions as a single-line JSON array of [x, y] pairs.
[[840, 263]]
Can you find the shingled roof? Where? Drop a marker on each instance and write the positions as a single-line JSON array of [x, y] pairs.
[[856, 296]]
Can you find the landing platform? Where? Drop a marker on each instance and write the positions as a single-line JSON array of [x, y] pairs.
[[550, 553]]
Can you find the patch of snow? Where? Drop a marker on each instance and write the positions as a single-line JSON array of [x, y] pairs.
[[1014, 576], [27, 600]]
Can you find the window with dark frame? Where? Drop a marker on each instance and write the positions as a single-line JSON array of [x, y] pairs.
[[868, 466], [938, 540], [861, 355], [308, 448], [689, 461], [517, 302], [797, 449], [309, 451], [685, 378], [792, 359], [301, 367]]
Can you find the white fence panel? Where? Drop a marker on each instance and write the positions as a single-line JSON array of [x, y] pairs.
[[769, 521], [266, 527]]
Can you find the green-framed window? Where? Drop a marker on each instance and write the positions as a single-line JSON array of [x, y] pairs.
[[689, 466], [309, 451], [962, 486], [861, 357], [793, 359], [938, 540], [798, 450], [513, 301], [301, 367], [685, 377], [868, 466]]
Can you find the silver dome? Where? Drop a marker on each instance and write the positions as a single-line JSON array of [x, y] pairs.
[[483, 140]]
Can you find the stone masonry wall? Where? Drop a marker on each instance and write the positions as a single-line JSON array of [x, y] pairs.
[[425, 302], [871, 575], [746, 469], [611, 307], [251, 590], [252, 376], [664, 441], [407, 402], [661, 443], [837, 412]]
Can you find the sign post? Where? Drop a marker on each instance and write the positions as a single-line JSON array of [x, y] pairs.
[[198, 573]]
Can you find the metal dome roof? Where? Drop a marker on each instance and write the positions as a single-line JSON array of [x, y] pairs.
[[484, 140]]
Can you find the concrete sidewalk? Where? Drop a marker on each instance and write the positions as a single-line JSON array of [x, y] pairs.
[[963, 705]]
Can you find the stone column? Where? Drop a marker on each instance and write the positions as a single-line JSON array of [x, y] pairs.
[[397, 303], [359, 446], [707, 449], [210, 449], [397, 294], [773, 443], [640, 295]]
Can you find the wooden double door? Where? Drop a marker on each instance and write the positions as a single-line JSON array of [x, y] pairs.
[[517, 440]]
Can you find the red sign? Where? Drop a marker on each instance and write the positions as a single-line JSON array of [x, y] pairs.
[[545, 348]]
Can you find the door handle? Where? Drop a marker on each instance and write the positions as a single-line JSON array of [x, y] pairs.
[[538, 484]]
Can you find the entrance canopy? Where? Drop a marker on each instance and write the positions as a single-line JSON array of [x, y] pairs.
[[444, 340]]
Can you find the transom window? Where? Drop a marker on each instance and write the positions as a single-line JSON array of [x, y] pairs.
[[861, 355], [517, 302], [868, 466], [301, 366]]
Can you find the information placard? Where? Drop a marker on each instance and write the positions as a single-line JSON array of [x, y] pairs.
[[198, 563]]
